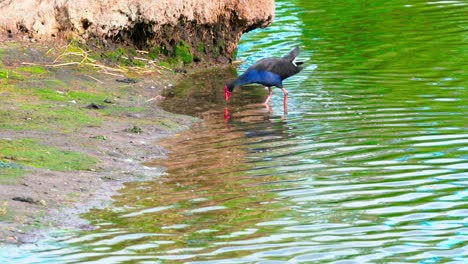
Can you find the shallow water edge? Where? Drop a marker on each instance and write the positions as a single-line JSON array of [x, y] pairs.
[[117, 135]]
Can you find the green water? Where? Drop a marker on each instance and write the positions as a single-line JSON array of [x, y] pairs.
[[369, 165]]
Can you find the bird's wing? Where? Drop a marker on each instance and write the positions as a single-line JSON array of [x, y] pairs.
[[282, 67]]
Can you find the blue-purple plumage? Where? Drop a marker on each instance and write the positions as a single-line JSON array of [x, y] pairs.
[[268, 71], [283, 67]]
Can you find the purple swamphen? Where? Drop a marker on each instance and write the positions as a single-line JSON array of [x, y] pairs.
[[269, 72]]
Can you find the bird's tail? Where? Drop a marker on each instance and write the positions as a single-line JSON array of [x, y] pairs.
[[293, 54]]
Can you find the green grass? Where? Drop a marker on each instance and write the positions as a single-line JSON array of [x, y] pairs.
[[78, 96], [7, 74], [46, 117], [30, 152]]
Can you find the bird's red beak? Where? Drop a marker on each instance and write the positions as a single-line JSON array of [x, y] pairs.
[[227, 93]]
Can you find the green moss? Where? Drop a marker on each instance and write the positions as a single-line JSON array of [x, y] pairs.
[[49, 94], [51, 83], [165, 64], [234, 55], [154, 53], [182, 51], [174, 62], [139, 63], [86, 96], [10, 172], [68, 117], [112, 56], [4, 73], [79, 96], [11, 176], [123, 57], [122, 51], [47, 117], [31, 153], [116, 109], [32, 69], [218, 47], [164, 51], [201, 47], [132, 51], [7, 74]]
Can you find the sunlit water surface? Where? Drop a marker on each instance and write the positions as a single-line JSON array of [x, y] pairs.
[[370, 164]]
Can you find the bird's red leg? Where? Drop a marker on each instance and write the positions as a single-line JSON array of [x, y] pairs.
[[285, 100], [270, 94]]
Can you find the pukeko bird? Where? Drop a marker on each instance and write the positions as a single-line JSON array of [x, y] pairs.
[[269, 72]]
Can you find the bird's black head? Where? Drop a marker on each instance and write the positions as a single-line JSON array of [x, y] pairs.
[[228, 88]]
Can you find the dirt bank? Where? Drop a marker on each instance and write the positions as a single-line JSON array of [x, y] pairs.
[[71, 134], [203, 29]]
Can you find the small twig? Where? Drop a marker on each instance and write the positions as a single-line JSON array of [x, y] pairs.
[[63, 64], [238, 62], [97, 80], [29, 63], [66, 54], [141, 59], [157, 97], [113, 74], [105, 67]]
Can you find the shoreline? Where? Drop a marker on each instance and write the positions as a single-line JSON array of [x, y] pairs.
[[54, 199]]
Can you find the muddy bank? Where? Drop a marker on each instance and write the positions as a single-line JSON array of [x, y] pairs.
[[71, 135], [201, 30]]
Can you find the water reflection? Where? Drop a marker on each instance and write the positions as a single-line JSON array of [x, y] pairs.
[[204, 199]]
